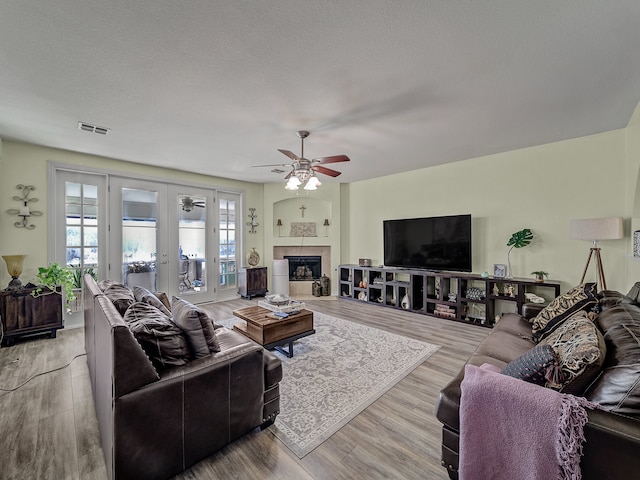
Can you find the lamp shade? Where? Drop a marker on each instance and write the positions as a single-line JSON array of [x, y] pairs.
[[595, 229], [313, 183]]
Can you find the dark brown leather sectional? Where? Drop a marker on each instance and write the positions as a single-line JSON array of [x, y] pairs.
[[612, 447], [154, 424]]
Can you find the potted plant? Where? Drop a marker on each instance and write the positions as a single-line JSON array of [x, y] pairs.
[[56, 279], [78, 273], [518, 240], [540, 274]]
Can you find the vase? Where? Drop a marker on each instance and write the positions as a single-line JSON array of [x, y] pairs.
[[253, 258], [404, 303], [14, 267]]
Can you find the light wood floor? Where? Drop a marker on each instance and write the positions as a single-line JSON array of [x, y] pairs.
[[48, 428]]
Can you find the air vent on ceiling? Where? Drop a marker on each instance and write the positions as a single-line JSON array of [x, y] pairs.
[[87, 127]]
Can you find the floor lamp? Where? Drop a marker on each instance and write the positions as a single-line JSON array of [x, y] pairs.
[[596, 229]]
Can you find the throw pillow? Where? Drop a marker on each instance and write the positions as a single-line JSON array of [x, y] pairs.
[[581, 351], [551, 317], [163, 342], [197, 325], [141, 294], [538, 365], [120, 295], [164, 299], [104, 284]]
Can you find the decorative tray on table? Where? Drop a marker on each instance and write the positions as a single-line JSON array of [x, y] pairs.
[[281, 305]]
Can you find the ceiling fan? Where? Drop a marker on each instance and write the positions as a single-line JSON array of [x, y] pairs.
[[187, 204], [304, 170]]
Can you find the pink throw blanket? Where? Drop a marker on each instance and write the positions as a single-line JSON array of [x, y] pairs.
[[512, 429]]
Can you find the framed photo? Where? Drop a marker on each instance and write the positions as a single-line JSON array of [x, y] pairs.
[[499, 270]]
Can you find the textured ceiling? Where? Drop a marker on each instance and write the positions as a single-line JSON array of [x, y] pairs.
[[217, 86]]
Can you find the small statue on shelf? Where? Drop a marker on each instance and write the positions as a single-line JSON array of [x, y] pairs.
[[511, 291], [496, 290]]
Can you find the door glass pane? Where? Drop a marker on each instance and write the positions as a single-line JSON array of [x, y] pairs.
[[192, 228], [81, 218], [227, 240], [139, 238], [90, 195], [90, 216]]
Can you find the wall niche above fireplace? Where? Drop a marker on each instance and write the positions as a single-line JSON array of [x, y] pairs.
[[296, 213]]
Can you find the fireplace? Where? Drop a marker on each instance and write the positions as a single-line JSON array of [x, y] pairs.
[[303, 287], [304, 267]]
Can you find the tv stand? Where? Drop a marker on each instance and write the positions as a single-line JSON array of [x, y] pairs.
[[462, 297]]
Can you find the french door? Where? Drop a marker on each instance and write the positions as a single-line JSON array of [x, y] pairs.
[[162, 238], [80, 240]]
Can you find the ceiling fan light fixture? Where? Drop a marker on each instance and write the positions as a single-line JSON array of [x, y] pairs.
[[313, 183], [292, 184]]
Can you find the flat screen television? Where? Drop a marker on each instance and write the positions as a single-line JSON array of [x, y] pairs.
[[434, 243]]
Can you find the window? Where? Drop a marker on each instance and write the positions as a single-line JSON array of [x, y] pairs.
[[81, 225], [227, 235]]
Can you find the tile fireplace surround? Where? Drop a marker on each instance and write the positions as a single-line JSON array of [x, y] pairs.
[[303, 288]]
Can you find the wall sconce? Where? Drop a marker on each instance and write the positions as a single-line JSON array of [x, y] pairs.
[[24, 211], [279, 225], [326, 226], [253, 224]]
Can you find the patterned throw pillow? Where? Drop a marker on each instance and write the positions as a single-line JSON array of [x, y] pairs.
[[104, 284], [163, 342], [551, 317], [197, 325], [141, 294], [581, 351], [535, 366], [120, 295]]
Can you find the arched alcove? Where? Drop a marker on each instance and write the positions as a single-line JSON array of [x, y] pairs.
[[292, 212]]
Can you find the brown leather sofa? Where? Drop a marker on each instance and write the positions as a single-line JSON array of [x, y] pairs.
[[612, 444], [154, 424]]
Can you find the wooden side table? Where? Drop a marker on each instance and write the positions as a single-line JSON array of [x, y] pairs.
[[22, 314], [252, 282]]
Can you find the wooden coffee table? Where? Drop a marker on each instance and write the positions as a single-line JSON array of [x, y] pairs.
[[273, 332]]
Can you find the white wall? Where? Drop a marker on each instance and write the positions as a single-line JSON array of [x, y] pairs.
[[632, 143], [27, 164], [540, 188]]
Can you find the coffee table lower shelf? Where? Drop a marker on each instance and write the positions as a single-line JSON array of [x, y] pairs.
[[288, 342]]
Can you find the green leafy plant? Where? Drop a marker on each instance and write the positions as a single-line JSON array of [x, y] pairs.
[[55, 276], [540, 273], [518, 239], [78, 273]]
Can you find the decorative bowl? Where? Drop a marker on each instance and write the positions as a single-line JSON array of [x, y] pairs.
[[277, 299]]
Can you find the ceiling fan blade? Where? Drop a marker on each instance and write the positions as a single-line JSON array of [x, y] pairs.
[[273, 165], [332, 159], [288, 175], [326, 171], [289, 154]]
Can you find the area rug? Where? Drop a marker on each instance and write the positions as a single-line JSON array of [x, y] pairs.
[[335, 374]]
